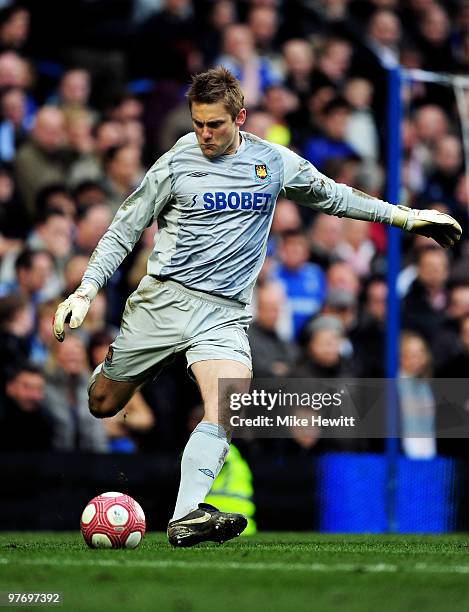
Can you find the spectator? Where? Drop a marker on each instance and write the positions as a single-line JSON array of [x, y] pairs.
[[261, 124], [42, 341], [15, 122], [73, 272], [305, 123], [107, 134], [447, 168], [409, 272], [368, 336], [221, 14], [458, 365], [286, 218], [321, 357], [424, 305], [177, 123], [53, 233], [13, 227], [24, 424], [33, 270], [78, 130], [134, 134], [435, 39], [168, 34], [340, 275], [16, 327], [384, 34], [355, 247], [125, 108], [334, 59], [123, 173], [417, 404], [88, 193], [431, 125], [263, 23], [55, 197], [271, 356], [378, 49], [330, 143], [43, 160], [92, 222], [14, 27], [15, 71], [461, 196], [126, 428], [341, 304], [74, 90], [279, 102], [299, 63], [325, 235], [302, 440], [361, 133], [66, 395], [341, 169], [446, 343], [304, 282], [239, 55]]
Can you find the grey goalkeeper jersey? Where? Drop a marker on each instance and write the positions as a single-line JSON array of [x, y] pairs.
[[214, 215]]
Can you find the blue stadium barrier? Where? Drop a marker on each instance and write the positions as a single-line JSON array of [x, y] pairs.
[[351, 494], [425, 500], [350, 491]]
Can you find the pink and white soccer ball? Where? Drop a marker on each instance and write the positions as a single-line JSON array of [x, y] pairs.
[[113, 520]]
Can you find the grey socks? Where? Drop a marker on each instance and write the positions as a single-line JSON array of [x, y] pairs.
[[202, 460]]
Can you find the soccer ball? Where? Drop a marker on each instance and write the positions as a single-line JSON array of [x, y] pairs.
[[113, 520]]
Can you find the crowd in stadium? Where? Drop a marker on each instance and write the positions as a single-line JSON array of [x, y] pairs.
[[92, 93]]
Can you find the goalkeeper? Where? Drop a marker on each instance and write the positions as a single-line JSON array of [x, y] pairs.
[[213, 194]]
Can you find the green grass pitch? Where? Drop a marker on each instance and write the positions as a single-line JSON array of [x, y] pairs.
[[271, 571]]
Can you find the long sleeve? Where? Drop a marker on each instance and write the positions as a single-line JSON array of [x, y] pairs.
[[305, 185], [136, 213]]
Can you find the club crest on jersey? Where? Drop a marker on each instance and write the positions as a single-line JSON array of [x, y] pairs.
[[262, 173]]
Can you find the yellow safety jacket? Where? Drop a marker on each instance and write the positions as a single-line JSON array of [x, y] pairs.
[[232, 490]]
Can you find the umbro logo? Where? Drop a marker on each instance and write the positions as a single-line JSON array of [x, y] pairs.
[[198, 174], [207, 472]]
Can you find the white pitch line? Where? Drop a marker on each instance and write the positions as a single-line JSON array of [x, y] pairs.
[[233, 565]]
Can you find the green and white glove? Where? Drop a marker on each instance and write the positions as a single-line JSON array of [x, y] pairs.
[[73, 309], [430, 223]]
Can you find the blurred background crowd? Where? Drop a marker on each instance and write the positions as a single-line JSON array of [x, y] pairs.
[[91, 93]]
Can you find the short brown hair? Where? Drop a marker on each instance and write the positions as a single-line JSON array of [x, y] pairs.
[[215, 85]]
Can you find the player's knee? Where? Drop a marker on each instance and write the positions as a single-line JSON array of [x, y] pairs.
[[100, 406]]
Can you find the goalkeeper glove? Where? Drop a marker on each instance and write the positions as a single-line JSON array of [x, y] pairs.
[[430, 223], [73, 309]]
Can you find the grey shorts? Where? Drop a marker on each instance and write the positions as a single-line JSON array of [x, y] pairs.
[[162, 318]]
